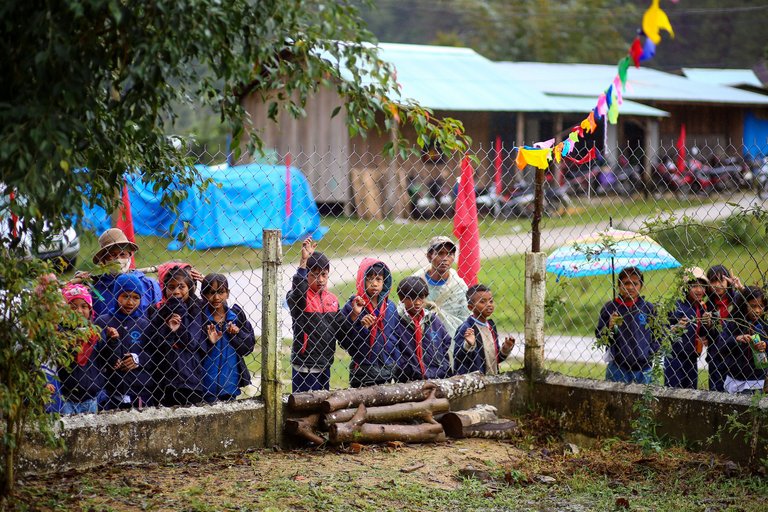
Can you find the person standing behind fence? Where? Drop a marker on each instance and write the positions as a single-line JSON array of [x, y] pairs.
[[476, 344], [721, 293], [116, 249], [447, 291], [424, 342], [82, 381], [230, 339], [124, 352], [178, 340], [373, 334], [743, 375], [693, 327], [625, 324], [316, 319]]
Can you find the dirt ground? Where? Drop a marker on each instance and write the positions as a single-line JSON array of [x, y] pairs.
[[537, 470]]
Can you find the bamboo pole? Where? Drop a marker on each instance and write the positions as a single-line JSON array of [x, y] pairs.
[[271, 388]]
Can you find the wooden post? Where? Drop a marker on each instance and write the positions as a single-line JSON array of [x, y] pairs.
[[538, 209], [535, 289], [271, 389]]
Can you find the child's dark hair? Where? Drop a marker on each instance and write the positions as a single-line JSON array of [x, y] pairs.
[[318, 261], [741, 305], [377, 269], [718, 272], [412, 287], [476, 289], [632, 271], [208, 281], [180, 274]]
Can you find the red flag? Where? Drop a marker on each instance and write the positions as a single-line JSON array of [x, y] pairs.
[[288, 192], [591, 155], [465, 226], [125, 220], [497, 165], [14, 218], [681, 149]]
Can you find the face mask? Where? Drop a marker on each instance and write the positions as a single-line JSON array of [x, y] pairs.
[[125, 264]]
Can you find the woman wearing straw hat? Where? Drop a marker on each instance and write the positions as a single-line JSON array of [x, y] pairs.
[[117, 251]]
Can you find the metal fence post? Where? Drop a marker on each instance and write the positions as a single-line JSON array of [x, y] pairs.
[[271, 388], [535, 290]]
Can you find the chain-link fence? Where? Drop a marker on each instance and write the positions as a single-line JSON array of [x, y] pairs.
[[375, 296]]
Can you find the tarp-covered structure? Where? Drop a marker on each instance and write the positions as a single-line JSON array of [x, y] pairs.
[[242, 201]]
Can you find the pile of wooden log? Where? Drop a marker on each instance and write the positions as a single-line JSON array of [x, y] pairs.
[[415, 412]]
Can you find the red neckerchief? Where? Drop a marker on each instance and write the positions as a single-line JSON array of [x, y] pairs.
[[379, 323], [626, 303], [697, 343], [418, 335], [86, 349], [722, 303]]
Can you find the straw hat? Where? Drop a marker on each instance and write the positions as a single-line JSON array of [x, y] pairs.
[[113, 238]]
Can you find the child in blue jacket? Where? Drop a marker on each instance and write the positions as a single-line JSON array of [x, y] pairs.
[[721, 293], [373, 334], [124, 350], [230, 338], [743, 376], [476, 344], [178, 341], [625, 323], [424, 342], [82, 381], [693, 325]]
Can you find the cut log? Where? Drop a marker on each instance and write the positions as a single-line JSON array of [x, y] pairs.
[[394, 412], [305, 428], [307, 401], [389, 394], [454, 422], [499, 429], [357, 430]]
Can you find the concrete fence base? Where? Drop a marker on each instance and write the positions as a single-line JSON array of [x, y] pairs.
[[584, 407]]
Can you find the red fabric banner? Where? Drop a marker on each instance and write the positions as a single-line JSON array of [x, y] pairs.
[[125, 220], [465, 225]]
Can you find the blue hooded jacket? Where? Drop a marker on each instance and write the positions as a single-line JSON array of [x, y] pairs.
[[104, 284], [133, 338], [473, 360], [739, 362], [225, 371], [631, 344], [435, 344]]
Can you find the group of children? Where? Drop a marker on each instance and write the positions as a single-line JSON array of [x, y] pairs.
[[386, 342], [183, 350], [717, 312]]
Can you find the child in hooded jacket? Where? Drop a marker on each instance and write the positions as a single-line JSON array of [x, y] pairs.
[[178, 341], [373, 334], [124, 352], [230, 338], [694, 327], [743, 376], [82, 381], [424, 342]]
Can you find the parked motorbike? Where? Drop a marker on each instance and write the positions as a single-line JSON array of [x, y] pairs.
[[759, 176], [520, 203]]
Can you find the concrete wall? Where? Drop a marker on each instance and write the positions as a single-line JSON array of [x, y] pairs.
[[589, 408]]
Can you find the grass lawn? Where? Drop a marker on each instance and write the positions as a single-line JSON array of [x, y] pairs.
[[349, 235]]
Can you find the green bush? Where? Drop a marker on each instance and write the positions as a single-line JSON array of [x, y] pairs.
[[687, 243], [744, 231]]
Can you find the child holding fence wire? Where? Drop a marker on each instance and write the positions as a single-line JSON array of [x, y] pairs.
[[625, 325], [721, 294], [693, 326], [373, 334], [230, 338], [317, 321], [743, 340]]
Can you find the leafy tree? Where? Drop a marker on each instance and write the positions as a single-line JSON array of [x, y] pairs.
[[91, 84]]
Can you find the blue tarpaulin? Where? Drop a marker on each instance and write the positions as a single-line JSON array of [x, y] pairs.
[[243, 200]]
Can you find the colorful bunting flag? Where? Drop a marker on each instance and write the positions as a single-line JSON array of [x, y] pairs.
[[654, 21], [591, 155]]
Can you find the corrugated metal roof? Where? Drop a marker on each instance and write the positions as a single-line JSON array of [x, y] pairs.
[[643, 84], [445, 78], [584, 104], [730, 77]]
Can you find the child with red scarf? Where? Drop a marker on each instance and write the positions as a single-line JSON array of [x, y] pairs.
[[373, 335], [424, 341], [625, 324], [694, 327], [82, 381]]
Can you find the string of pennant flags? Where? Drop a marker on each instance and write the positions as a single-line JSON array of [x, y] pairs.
[[643, 48]]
